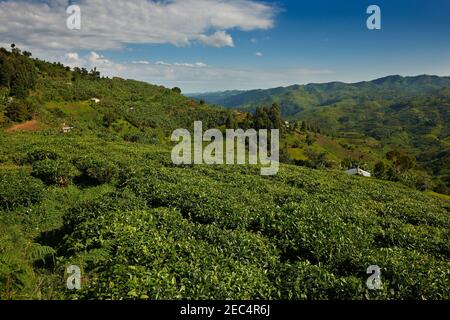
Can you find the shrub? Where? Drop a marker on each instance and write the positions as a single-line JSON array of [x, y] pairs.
[[441, 188], [15, 274], [96, 170], [38, 155], [54, 172], [423, 181], [163, 264], [304, 281], [317, 160], [408, 274], [18, 188], [3, 119], [20, 110]]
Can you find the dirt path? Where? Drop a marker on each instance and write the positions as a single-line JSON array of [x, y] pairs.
[[29, 126]]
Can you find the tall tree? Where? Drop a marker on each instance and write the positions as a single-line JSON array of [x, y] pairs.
[[275, 116], [17, 72], [230, 122]]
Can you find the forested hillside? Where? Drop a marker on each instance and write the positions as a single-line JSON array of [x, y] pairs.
[[297, 98], [55, 94], [104, 195], [409, 114]]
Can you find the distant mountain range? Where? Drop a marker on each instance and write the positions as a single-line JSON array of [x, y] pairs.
[[296, 98], [409, 113]]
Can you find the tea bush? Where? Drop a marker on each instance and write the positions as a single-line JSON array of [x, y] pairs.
[[142, 228], [38, 154], [17, 188], [97, 170], [57, 172]]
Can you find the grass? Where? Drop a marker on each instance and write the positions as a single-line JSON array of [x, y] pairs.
[[439, 195], [72, 108]]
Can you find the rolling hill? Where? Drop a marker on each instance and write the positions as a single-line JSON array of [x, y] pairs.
[[106, 197], [407, 113], [297, 98]]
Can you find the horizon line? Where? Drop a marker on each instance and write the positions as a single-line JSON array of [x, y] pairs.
[[326, 82]]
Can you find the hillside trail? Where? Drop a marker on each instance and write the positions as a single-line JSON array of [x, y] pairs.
[[29, 126]]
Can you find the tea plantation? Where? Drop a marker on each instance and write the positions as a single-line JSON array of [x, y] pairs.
[[142, 228], [105, 196]]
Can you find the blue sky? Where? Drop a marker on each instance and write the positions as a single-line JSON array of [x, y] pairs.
[[243, 45]]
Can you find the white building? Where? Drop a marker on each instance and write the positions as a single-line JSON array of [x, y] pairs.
[[66, 129], [358, 172], [95, 100]]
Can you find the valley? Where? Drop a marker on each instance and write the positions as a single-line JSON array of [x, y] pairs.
[[409, 114]]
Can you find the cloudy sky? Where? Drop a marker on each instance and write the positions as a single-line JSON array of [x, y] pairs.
[[208, 45]]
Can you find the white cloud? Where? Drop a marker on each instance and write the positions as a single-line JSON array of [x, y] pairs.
[[162, 63], [72, 56], [197, 77], [218, 39], [73, 59], [40, 27], [94, 57], [259, 54], [112, 24], [91, 60], [140, 62], [191, 65], [182, 64], [200, 64]]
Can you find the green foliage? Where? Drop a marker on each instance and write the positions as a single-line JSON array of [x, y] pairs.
[[149, 230], [2, 116], [96, 169], [4, 93], [143, 228], [405, 113], [263, 118], [316, 160], [15, 274], [231, 122], [38, 154], [20, 110], [17, 73], [309, 140], [176, 90], [19, 189], [57, 172], [109, 118], [304, 281], [40, 252], [18, 280], [140, 105], [380, 170], [401, 161]]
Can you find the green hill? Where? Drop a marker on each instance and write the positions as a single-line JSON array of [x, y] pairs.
[[106, 197], [406, 113], [294, 99], [54, 95]]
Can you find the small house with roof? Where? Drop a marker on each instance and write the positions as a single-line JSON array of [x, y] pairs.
[[358, 172]]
